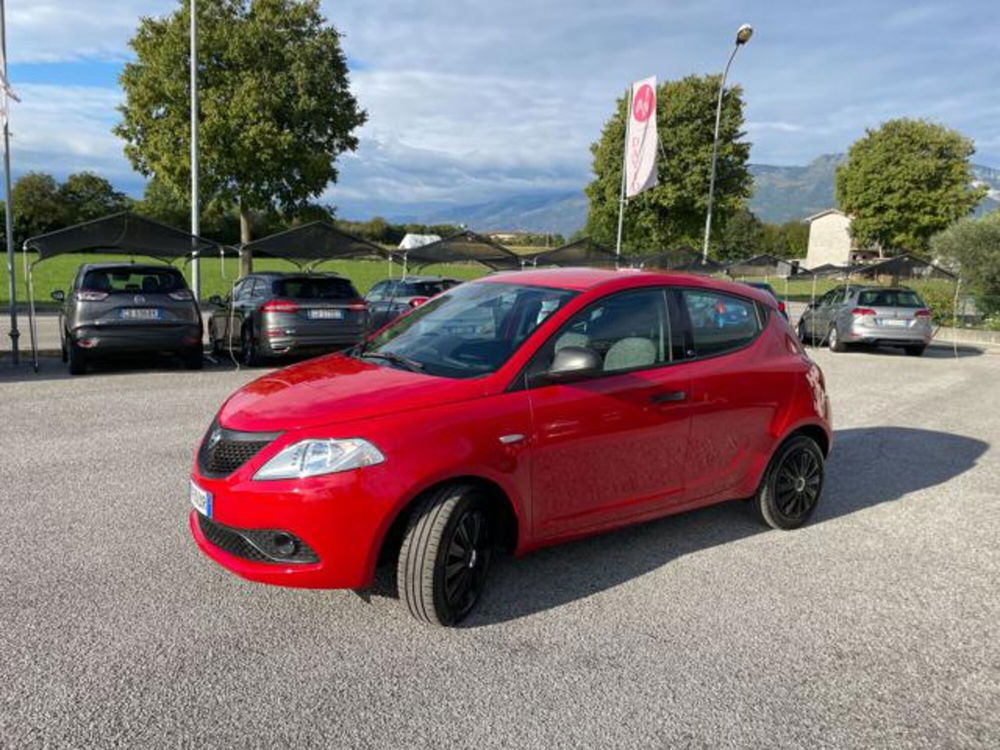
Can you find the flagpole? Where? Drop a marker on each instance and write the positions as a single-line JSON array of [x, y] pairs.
[[621, 195], [195, 223], [8, 207]]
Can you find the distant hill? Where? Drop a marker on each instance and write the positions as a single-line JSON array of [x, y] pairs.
[[780, 194]]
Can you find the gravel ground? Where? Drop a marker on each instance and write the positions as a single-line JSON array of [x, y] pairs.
[[878, 625]]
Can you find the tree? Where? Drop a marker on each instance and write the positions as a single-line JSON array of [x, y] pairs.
[[974, 246], [742, 236], [38, 206], [87, 196], [673, 212], [788, 240], [276, 108], [906, 181]]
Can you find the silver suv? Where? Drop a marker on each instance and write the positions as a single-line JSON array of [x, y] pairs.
[[119, 308], [881, 316]]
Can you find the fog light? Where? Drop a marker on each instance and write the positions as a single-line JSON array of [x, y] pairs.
[[284, 544]]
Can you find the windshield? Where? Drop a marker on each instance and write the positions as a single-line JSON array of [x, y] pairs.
[[890, 298], [315, 287], [132, 280], [470, 330], [423, 288]]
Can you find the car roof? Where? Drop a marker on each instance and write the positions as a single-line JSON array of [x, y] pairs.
[[423, 279], [119, 265], [300, 274], [586, 279]]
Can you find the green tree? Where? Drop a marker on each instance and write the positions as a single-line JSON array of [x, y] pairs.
[[788, 240], [973, 245], [38, 206], [87, 196], [673, 212], [742, 236], [276, 107], [905, 182]]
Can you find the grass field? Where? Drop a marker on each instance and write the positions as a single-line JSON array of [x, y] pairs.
[[58, 272]]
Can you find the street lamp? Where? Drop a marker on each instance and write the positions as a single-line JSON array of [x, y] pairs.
[[743, 34]]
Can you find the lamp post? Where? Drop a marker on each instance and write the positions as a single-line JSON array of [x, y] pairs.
[[195, 212], [743, 35], [8, 207]]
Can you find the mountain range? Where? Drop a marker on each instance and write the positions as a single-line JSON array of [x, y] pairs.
[[781, 193]]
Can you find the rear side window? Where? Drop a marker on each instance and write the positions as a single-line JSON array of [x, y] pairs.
[[422, 289], [719, 322], [133, 280], [315, 288], [890, 298]]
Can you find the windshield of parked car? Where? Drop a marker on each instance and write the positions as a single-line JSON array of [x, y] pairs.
[[469, 330], [314, 287], [890, 298], [133, 280]]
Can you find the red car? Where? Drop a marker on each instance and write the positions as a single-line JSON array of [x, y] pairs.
[[518, 411]]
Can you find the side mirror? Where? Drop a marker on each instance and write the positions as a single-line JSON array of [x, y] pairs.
[[59, 295], [216, 300], [574, 363]]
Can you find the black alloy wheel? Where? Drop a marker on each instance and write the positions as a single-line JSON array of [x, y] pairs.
[[792, 484], [249, 355]]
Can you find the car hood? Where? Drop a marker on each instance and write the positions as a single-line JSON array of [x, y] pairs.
[[335, 389]]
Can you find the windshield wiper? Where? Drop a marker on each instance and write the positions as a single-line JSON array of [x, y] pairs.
[[397, 359]]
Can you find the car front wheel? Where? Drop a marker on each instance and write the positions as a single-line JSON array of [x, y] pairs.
[[446, 555], [792, 484]]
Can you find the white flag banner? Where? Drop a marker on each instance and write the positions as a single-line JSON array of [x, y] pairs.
[[6, 93], [640, 138]]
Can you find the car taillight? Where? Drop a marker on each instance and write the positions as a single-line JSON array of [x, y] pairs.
[[357, 306], [418, 301], [86, 295], [181, 295], [922, 313], [862, 311], [279, 305]]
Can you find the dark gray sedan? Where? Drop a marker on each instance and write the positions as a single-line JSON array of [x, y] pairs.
[[124, 308], [389, 299], [275, 314]]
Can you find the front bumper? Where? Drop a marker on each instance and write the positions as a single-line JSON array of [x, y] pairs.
[[342, 518], [114, 339]]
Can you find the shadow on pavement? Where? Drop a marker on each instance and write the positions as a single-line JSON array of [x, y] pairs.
[[869, 466]]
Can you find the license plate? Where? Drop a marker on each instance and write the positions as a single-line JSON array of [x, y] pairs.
[[326, 314], [895, 322], [140, 313], [201, 500]]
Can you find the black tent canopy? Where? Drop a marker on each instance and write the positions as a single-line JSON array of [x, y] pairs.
[[678, 259], [902, 267], [123, 233], [315, 242], [582, 252], [463, 246]]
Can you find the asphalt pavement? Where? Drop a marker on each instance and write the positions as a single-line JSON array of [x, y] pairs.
[[878, 625]]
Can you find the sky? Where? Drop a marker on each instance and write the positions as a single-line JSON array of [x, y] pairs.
[[471, 101]]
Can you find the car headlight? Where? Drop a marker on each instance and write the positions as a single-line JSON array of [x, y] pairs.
[[310, 458]]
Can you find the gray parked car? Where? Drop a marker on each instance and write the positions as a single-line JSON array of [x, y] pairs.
[[120, 308], [274, 314], [389, 299], [880, 316]]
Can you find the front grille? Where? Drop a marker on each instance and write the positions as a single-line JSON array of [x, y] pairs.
[[255, 544], [224, 451]]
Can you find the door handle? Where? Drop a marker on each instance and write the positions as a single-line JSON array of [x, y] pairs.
[[665, 397]]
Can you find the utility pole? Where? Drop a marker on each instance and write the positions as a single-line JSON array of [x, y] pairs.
[[195, 213], [8, 208]]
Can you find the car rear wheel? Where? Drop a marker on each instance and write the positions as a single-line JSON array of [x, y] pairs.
[[915, 351], [249, 354], [76, 358], [834, 341], [446, 554], [194, 359], [792, 484]]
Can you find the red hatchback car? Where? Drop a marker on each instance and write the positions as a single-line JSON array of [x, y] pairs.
[[518, 411]]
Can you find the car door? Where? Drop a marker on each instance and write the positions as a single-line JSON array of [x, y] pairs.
[[229, 320], [735, 389], [827, 310], [610, 448]]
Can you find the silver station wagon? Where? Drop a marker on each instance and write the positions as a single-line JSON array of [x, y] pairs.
[[879, 316]]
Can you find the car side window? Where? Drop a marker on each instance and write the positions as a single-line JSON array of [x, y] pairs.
[[629, 330], [719, 322], [242, 291], [377, 292]]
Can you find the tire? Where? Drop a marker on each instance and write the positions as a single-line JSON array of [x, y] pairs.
[[804, 336], [76, 358], [215, 346], [249, 355], [915, 351], [194, 359], [834, 342], [440, 575], [792, 485]]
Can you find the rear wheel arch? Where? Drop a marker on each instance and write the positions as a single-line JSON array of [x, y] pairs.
[[817, 433], [505, 518]]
